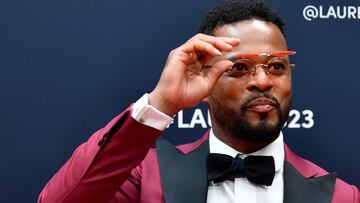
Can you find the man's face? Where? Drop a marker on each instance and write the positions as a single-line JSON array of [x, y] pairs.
[[252, 107]]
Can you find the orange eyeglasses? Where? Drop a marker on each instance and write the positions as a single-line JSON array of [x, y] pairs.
[[276, 64]]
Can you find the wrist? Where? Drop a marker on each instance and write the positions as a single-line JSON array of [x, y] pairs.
[[157, 101]]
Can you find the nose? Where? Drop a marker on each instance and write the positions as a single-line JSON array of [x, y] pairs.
[[259, 80]]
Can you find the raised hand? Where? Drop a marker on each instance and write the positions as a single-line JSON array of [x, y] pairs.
[[184, 82]]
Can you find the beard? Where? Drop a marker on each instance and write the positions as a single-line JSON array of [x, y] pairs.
[[237, 124]]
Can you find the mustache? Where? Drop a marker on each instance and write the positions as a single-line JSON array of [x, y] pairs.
[[254, 97]]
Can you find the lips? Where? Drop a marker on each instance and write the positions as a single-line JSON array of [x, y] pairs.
[[261, 105]]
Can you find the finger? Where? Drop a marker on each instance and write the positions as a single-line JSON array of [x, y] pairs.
[[195, 67], [232, 41], [222, 46], [222, 43], [193, 58], [215, 72], [210, 38], [201, 47], [217, 43], [204, 59]]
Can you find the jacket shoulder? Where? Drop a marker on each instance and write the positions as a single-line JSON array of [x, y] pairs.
[[343, 191]]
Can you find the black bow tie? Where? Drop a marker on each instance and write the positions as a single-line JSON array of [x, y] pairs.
[[257, 169]]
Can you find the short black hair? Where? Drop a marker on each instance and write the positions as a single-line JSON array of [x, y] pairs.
[[231, 11]]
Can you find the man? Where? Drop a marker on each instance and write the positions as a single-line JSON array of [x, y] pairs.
[[240, 66]]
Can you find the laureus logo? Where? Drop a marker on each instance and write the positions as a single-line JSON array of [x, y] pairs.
[[311, 12]]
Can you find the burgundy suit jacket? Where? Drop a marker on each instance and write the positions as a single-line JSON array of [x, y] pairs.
[[116, 164]]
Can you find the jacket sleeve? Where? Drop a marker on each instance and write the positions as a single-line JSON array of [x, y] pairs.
[[101, 165]]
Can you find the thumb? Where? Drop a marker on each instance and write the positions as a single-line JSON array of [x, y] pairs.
[[215, 72]]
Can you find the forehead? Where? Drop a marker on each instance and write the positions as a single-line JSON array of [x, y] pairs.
[[256, 36]]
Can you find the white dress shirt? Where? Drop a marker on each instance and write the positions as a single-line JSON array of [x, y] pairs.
[[242, 190], [239, 190]]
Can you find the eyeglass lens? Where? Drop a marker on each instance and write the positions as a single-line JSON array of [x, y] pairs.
[[275, 66]]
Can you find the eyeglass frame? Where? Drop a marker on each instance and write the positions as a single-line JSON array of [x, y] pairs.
[[238, 57]]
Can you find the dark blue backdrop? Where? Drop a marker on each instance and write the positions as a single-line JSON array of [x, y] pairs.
[[67, 67]]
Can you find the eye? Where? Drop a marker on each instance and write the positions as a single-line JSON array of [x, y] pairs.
[[239, 68], [278, 67]]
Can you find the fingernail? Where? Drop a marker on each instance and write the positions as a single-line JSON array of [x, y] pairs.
[[229, 46], [218, 52]]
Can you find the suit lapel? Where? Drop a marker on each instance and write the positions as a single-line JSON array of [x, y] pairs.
[[183, 176], [298, 189]]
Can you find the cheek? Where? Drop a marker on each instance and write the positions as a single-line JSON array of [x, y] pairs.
[[230, 89], [283, 91]]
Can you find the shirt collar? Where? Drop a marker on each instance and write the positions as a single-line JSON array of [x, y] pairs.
[[275, 149]]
